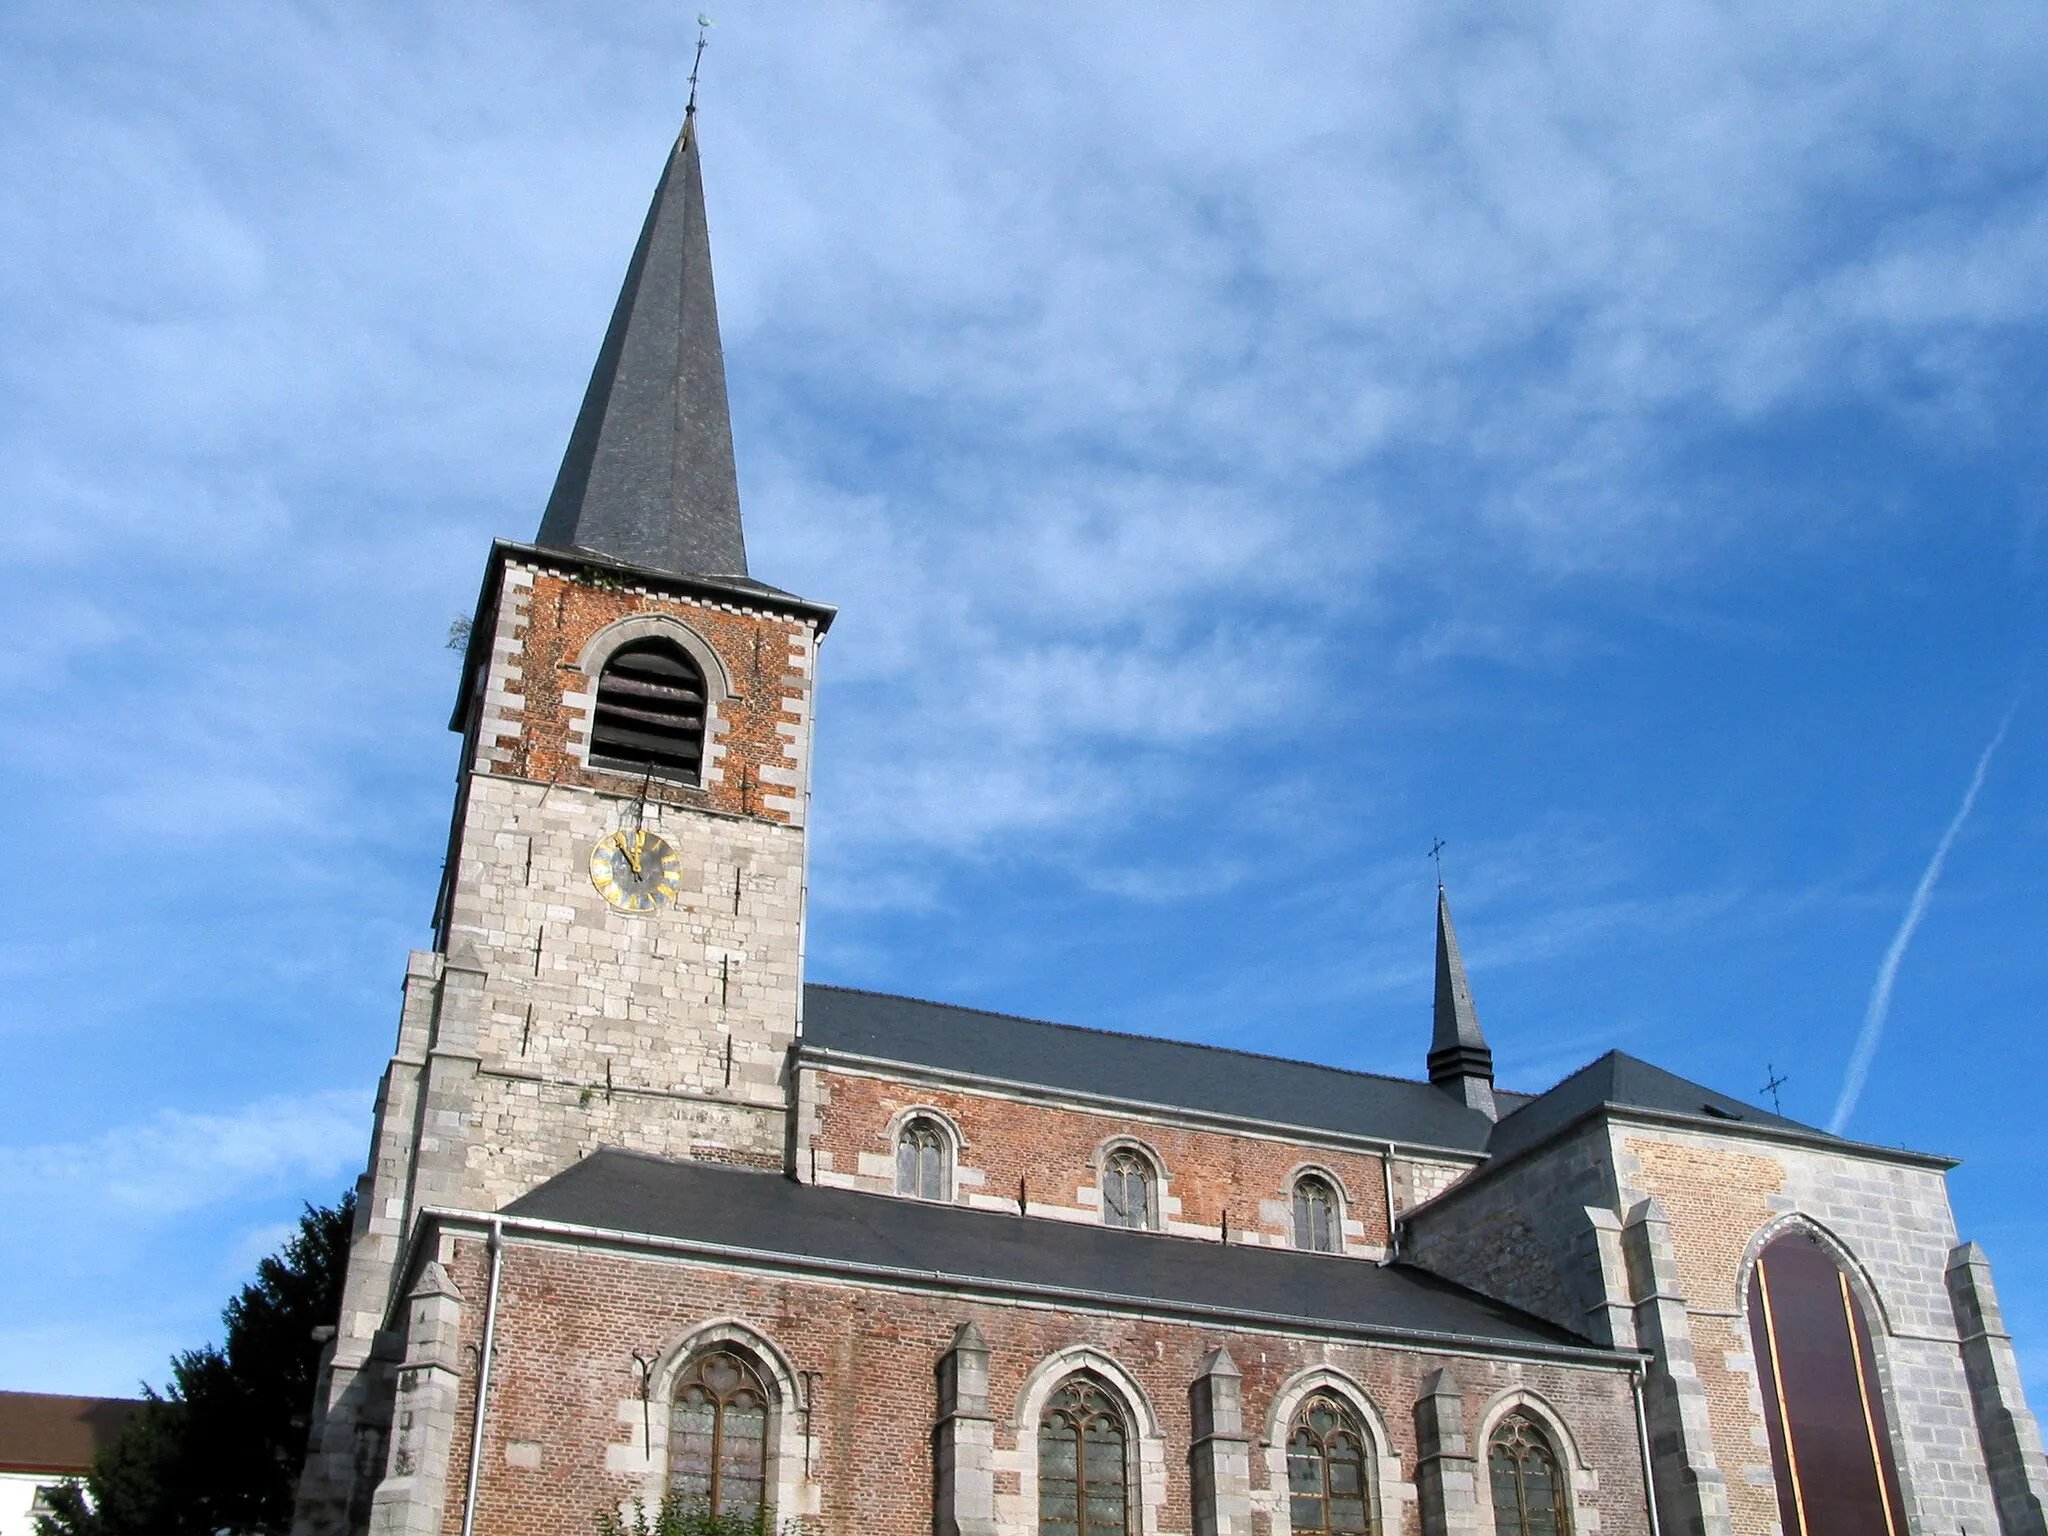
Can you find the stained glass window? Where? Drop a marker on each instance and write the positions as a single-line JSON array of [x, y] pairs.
[[1127, 1190], [718, 1436], [1082, 1484], [1528, 1488], [1327, 1489], [921, 1161], [1315, 1215]]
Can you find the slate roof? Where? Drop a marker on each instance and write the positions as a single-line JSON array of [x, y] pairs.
[[1137, 1069], [785, 1224], [648, 477], [1622, 1080]]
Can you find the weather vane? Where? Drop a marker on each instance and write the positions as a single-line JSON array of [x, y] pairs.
[[1776, 1081], [1436, 852], [704, 26]]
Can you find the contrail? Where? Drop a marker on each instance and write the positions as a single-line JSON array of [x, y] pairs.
[[1880, 1006]]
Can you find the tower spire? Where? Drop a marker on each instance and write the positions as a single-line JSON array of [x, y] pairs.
[[649, 478], [1460, 1061]]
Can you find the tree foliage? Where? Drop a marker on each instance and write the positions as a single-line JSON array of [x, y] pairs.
[[220, 1449], [678, 1516]]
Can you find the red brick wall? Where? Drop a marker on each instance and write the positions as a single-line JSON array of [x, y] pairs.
[[561, 616], [570, 1320], [1049, 1147]]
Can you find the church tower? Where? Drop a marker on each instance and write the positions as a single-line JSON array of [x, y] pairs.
[[619, 932]]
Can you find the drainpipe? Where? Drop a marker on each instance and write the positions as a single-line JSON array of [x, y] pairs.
[[1387, 1178], [1635, 1382], [483, 1379]]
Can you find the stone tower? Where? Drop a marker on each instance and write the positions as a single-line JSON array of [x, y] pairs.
[[619, 932]]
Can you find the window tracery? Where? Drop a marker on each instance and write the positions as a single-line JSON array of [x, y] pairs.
[[1129, 1189], [1083, 1449], [1528, 1483], [1328, 1492], [718, 1435], [1316, 1219], [921, 1157]]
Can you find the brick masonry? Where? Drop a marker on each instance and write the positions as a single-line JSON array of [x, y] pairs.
[[565, 1436], [1051, 1154]]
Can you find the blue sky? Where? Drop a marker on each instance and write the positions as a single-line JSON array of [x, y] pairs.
[[1244, 445]]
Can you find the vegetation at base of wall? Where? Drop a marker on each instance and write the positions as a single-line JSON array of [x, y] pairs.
[[678, 1516], [220, 1448]]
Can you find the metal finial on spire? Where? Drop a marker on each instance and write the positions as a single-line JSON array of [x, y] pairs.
[[1436, 852], [704, 26]]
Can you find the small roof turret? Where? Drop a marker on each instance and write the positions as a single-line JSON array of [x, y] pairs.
[[1460, 1061], [649, 478]]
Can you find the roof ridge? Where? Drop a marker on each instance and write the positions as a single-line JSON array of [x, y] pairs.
[[1121, 1034]]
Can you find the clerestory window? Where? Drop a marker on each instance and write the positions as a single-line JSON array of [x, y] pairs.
[[649, 717], [718, 1436], [1315, 1214], [1129, 1192], [921, 1160], [1083, 1485]]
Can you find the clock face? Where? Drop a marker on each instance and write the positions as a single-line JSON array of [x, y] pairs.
[[636, 871]]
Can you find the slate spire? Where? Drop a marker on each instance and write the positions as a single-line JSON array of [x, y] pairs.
[[1460, 1061], [648, 478]]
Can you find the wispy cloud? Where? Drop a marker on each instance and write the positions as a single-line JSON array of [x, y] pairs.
[[178, 1161], [1879, 1008]]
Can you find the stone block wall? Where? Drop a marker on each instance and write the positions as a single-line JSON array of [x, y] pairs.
[[565, 1433], [1051, 1154]]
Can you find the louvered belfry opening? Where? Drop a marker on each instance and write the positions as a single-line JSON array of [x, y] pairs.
[[650, 712]]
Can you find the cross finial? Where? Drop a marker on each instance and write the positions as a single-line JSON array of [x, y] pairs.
[[704, 25], [1436, 852], [1776, 1081]]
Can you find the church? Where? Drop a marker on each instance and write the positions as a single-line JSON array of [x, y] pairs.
[[648, 1214]]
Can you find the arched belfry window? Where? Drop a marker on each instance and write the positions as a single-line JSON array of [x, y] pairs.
[[921, 1153], [1830, 1443], [1327, 1489], [718, 1435], [1527, 1480], [1130, 1194], [1083, 1450], [650, 712], [1315, 1214]]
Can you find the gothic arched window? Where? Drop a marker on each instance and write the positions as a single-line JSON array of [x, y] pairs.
[[1128, 1194], [1315, 1214], [1528, 1487], [718, 1436], [1831, 1446], [1083, 1484], [650, 712], [921, 1160], [1327, 1490]]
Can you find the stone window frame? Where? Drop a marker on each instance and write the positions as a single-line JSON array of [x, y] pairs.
[[1391, 1488], [794, 1495], [1339, 1194], [1875, 1313], [1583, 1481], [1145, 1482], [949, 1133], [718, 688], [1098, 1165]]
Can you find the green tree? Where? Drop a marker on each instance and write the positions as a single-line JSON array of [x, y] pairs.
[[221, 1447]]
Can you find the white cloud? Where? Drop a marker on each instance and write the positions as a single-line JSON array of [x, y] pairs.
[[178, 1161]]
